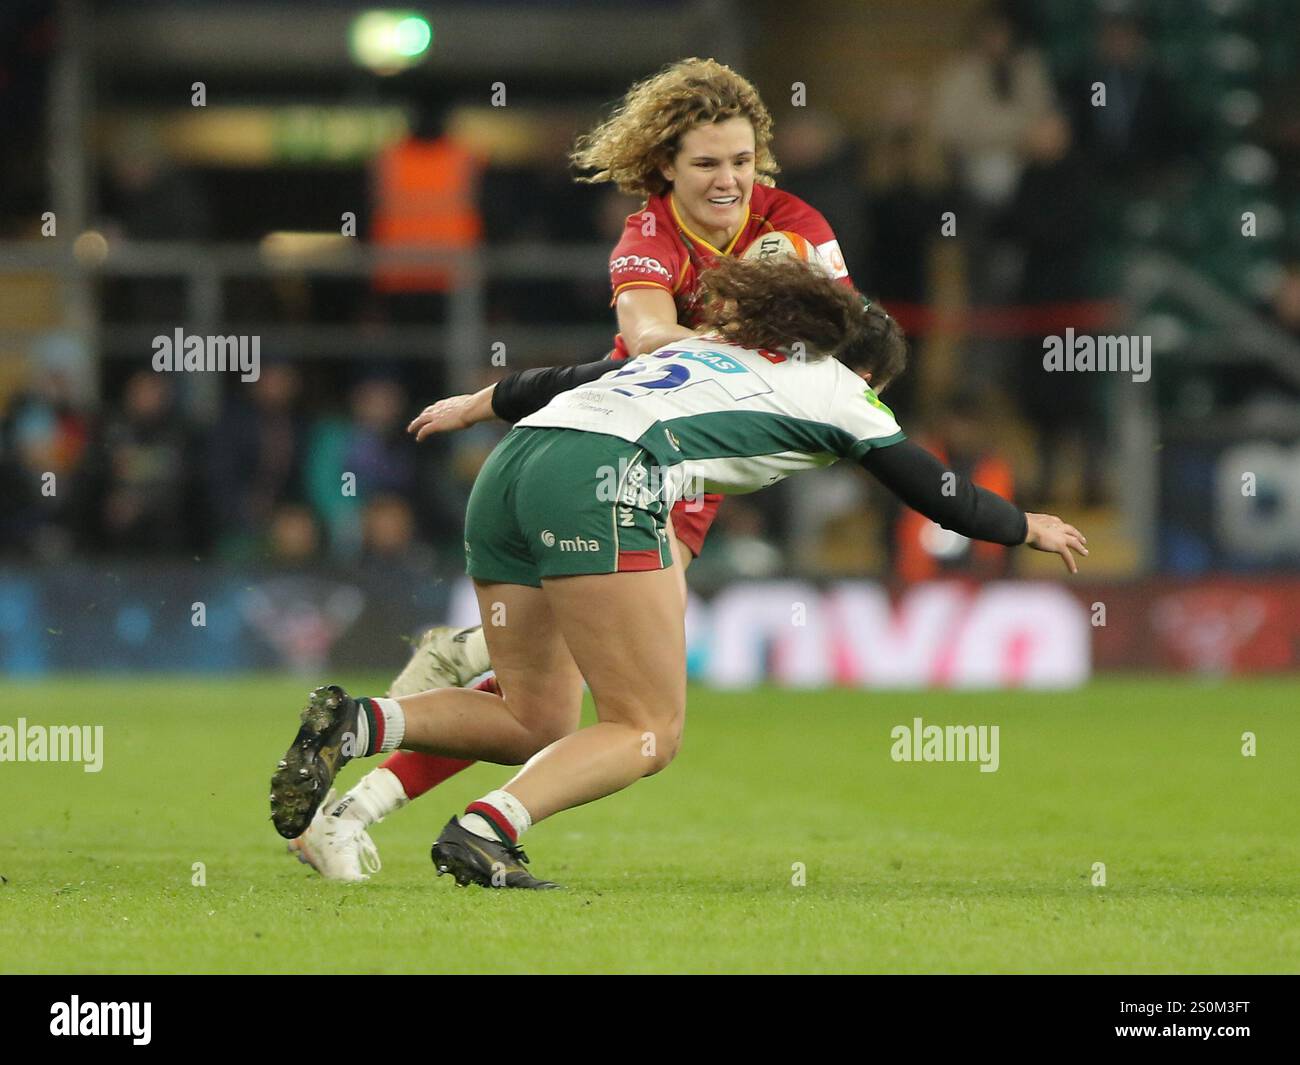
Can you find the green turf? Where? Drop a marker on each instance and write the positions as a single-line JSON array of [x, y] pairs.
[[910, 868]]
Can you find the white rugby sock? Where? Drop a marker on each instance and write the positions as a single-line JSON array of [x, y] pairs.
[[375, 796]]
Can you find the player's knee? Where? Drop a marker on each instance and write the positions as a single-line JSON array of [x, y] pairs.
[[545, 720], [659, 746], [547, 732]]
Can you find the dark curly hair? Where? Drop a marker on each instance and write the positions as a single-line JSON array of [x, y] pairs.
[[783, 302]]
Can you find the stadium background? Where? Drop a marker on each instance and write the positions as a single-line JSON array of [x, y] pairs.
[[198, 564], [222, 209]]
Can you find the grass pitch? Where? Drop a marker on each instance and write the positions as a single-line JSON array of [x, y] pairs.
[[927, 867]]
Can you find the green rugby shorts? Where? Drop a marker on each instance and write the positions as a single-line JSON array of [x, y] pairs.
[[561, 502]]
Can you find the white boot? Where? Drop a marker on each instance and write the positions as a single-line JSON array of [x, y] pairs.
[[444, 658], [339, 848]]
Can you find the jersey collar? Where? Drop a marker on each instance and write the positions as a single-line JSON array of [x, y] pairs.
[[688, 232]]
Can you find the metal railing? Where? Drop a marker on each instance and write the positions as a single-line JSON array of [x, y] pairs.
[[204, 270]]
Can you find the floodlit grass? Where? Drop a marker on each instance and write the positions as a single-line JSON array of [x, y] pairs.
[[923, 867]]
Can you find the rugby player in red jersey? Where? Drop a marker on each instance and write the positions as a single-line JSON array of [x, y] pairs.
[[695, 141]]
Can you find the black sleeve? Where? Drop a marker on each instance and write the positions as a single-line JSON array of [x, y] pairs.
[[917, 478], [524, 391]]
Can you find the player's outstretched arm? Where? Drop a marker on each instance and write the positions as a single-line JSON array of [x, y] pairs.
[[452, 413], [944, 496], [514, 396], [519, 394]]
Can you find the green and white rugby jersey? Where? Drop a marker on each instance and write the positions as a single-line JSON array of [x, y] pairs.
[[727, 418]]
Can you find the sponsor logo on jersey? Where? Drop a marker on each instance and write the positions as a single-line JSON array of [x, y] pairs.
[[833, 258], [720, 362], [641, 264]]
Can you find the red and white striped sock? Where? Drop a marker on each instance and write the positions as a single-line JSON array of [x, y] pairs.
[[381, 726], [497, 816]]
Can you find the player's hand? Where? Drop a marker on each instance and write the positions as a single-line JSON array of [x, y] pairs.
[[452, 413], [1047, 532]]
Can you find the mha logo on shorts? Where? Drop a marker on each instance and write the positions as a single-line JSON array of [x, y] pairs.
[[575, 544]]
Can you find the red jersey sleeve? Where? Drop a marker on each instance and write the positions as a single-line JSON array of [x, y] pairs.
[[786, 211], [647, 255]]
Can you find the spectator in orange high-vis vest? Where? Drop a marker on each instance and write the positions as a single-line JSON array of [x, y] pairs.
[[924, 551], [425, 196]]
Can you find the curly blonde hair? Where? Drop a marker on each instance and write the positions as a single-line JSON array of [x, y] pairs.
[[645, 130]]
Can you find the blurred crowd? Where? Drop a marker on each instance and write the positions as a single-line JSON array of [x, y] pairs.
[[268, 480], [1037, 175]]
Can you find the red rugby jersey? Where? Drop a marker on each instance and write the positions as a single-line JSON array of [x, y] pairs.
[[659, 250]]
